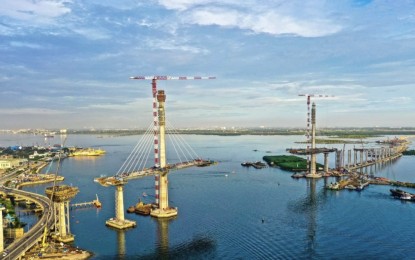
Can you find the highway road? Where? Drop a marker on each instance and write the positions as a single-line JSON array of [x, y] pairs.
[[20, 246]]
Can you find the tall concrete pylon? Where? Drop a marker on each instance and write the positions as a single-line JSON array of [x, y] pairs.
[[313, 173], [163, 210]]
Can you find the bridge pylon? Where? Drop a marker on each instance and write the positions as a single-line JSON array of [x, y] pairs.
[[162, 193], [313, 171]]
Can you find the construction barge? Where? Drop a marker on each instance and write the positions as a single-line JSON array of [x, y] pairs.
[[356, 182]]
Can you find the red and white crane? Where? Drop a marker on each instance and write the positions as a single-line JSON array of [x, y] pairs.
[[155, 115], [308, 96]]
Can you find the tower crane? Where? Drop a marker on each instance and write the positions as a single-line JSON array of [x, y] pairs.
[[154, 80], [308, 96]]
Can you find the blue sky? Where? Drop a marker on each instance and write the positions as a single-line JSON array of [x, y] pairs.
[[67, 63]]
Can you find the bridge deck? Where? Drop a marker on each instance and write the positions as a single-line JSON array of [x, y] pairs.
[[117, 180]]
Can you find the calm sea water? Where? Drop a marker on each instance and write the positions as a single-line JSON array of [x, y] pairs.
[[230, 212]]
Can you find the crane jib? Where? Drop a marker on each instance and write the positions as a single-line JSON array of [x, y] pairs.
[[171, 77]]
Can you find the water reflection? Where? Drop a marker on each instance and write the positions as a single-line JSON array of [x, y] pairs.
[[306, 209], [197, 248], [121, 244], [163, 237], [312, 215]]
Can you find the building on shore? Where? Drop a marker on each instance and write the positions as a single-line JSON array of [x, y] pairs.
[[7, 162]]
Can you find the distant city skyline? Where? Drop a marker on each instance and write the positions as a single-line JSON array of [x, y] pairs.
[[66, 64]]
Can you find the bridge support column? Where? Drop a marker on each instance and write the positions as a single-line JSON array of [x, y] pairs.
[[119, 222], [1, 228], [355, 157], [338, 159], [326, 162], [119, 202], [349, 158], [361, 157], [61, 195]]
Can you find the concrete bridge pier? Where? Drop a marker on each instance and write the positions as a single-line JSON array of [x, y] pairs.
[[338, 159], [349, 158], [355, 157], [60, 196], [1, 228], [119, 222], [326, 162]]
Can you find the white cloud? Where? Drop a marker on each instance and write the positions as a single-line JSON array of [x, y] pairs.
[[31, 111], [93, 34], [173, 44], [307, 19], [270, 22], [25, 45], [35, 11]]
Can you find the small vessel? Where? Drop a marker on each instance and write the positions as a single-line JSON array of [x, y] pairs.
[[88, 152], [406, 196], [362, 185], [142, 209], [403, 195], [256, 165], [145, 194], [350, 187], [259, 165], [397, 192], [96, 202], [298, 175], [131, 209], [333, 186]]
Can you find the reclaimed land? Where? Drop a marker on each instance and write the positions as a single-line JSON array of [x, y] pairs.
[[288, 162]]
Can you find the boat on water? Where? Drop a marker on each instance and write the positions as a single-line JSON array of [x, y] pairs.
[[397, 192], [350, 187], [131, 209], [142, 208], [88, 152], [362, 185], [334, 186], [256, 165], [402, 195], [96, 202], [298, 175]]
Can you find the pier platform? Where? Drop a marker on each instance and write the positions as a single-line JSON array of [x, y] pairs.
[[120, 224], [167, 213]]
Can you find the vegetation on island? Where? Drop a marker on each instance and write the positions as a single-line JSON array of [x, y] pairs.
[[409, 152], [288, 162]]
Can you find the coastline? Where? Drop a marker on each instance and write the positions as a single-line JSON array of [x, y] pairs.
[[30, 183]]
